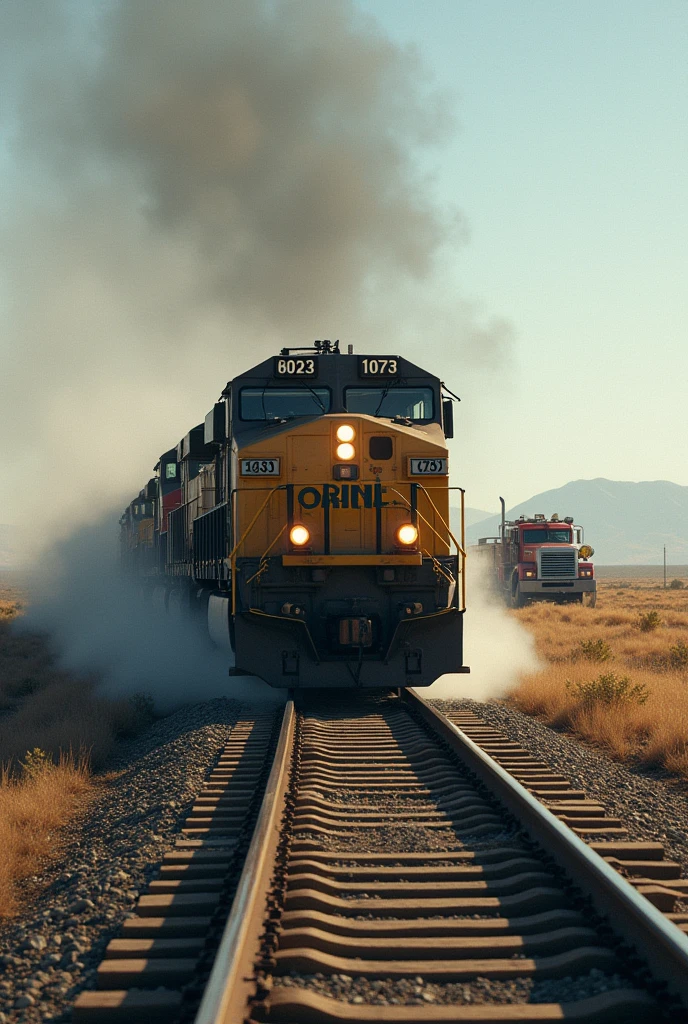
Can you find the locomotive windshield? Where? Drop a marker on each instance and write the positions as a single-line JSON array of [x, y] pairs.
[[409, 403], [283, 403], [545, 536]]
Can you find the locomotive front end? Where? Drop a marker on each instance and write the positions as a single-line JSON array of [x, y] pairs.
[[344, 570]]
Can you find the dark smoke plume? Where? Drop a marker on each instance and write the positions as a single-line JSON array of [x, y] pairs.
[[192, 185], [189, 186]]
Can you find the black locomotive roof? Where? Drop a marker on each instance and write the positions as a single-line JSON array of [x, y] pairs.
[[335, 370]]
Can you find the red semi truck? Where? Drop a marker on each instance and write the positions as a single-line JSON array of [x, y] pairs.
[[540, 559]]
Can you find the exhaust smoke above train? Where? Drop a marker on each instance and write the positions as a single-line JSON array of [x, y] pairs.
[[185, 183], [188, 182]]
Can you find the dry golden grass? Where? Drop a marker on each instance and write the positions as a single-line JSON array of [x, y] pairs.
[[32, 810], [654, 732], [62, 716]]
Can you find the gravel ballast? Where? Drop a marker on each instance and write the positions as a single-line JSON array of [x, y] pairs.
[[652, 805], [51, 953], [481, 991]]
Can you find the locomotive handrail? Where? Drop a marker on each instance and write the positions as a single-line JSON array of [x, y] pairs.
[[232, 554], [426, 521], [438, 567], [462, 570], [208, 512], [283, 487], [265, 555], [463, 537], [441, 517]]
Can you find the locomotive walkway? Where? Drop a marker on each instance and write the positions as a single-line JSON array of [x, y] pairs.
[[405, 866]]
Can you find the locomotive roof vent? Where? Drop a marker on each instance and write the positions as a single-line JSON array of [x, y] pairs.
[[322, 347]]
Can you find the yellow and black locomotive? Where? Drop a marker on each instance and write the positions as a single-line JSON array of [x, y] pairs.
[[308, 518]]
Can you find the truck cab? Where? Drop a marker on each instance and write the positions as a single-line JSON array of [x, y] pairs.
[[541, 559]]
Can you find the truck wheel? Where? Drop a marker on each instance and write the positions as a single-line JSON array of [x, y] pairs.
[[591, 599], [516, 597]]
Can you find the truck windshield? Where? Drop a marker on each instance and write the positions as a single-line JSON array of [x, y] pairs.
[[410, 403], [546, 536], [283, 403]]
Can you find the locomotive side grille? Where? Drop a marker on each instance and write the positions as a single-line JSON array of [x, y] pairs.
[[559, 563]]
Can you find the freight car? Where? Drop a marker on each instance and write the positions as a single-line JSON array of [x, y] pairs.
[[308, 520]]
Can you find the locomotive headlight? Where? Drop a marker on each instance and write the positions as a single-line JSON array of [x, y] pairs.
[[345, 432], [345, 452], [299, 535], [407, 534]]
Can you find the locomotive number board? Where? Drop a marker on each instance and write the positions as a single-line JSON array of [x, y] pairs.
[[428, 467], [260, 467], [296, 366], [377, 367]]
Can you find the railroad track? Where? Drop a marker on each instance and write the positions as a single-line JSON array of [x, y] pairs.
[[157, 968], [643, 862], [398, 873]]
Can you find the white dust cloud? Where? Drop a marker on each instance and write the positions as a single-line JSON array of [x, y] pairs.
[[103, 625], [497, 647]]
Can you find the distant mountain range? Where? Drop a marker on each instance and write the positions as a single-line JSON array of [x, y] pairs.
[[475, 515], [626, 523]]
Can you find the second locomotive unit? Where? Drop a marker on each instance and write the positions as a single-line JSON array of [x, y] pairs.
[[308, 519]]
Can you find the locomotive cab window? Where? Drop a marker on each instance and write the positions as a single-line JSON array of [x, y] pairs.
[[410, 403], [170, 471], [283, 403]]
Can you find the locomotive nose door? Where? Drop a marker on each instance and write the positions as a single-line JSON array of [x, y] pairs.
[[333, 510]]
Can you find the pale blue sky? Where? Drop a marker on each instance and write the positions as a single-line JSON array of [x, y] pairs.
[[571, 167], [568, 160]]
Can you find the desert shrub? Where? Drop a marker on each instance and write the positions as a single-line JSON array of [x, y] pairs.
[[36, 763], [608, 688], [595, 650], [676, 585], [10, 609], [678, 655], [649, 621]]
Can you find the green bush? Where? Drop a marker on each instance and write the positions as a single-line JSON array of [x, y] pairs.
[[648, 621], [595, 650], [678, 655], [609, 689], [676, 585], [36, 763]]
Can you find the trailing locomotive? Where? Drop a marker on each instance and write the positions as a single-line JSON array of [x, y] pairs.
[[308, 519]]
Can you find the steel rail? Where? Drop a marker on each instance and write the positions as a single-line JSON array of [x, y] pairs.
[[231, 982], [632, 917]]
